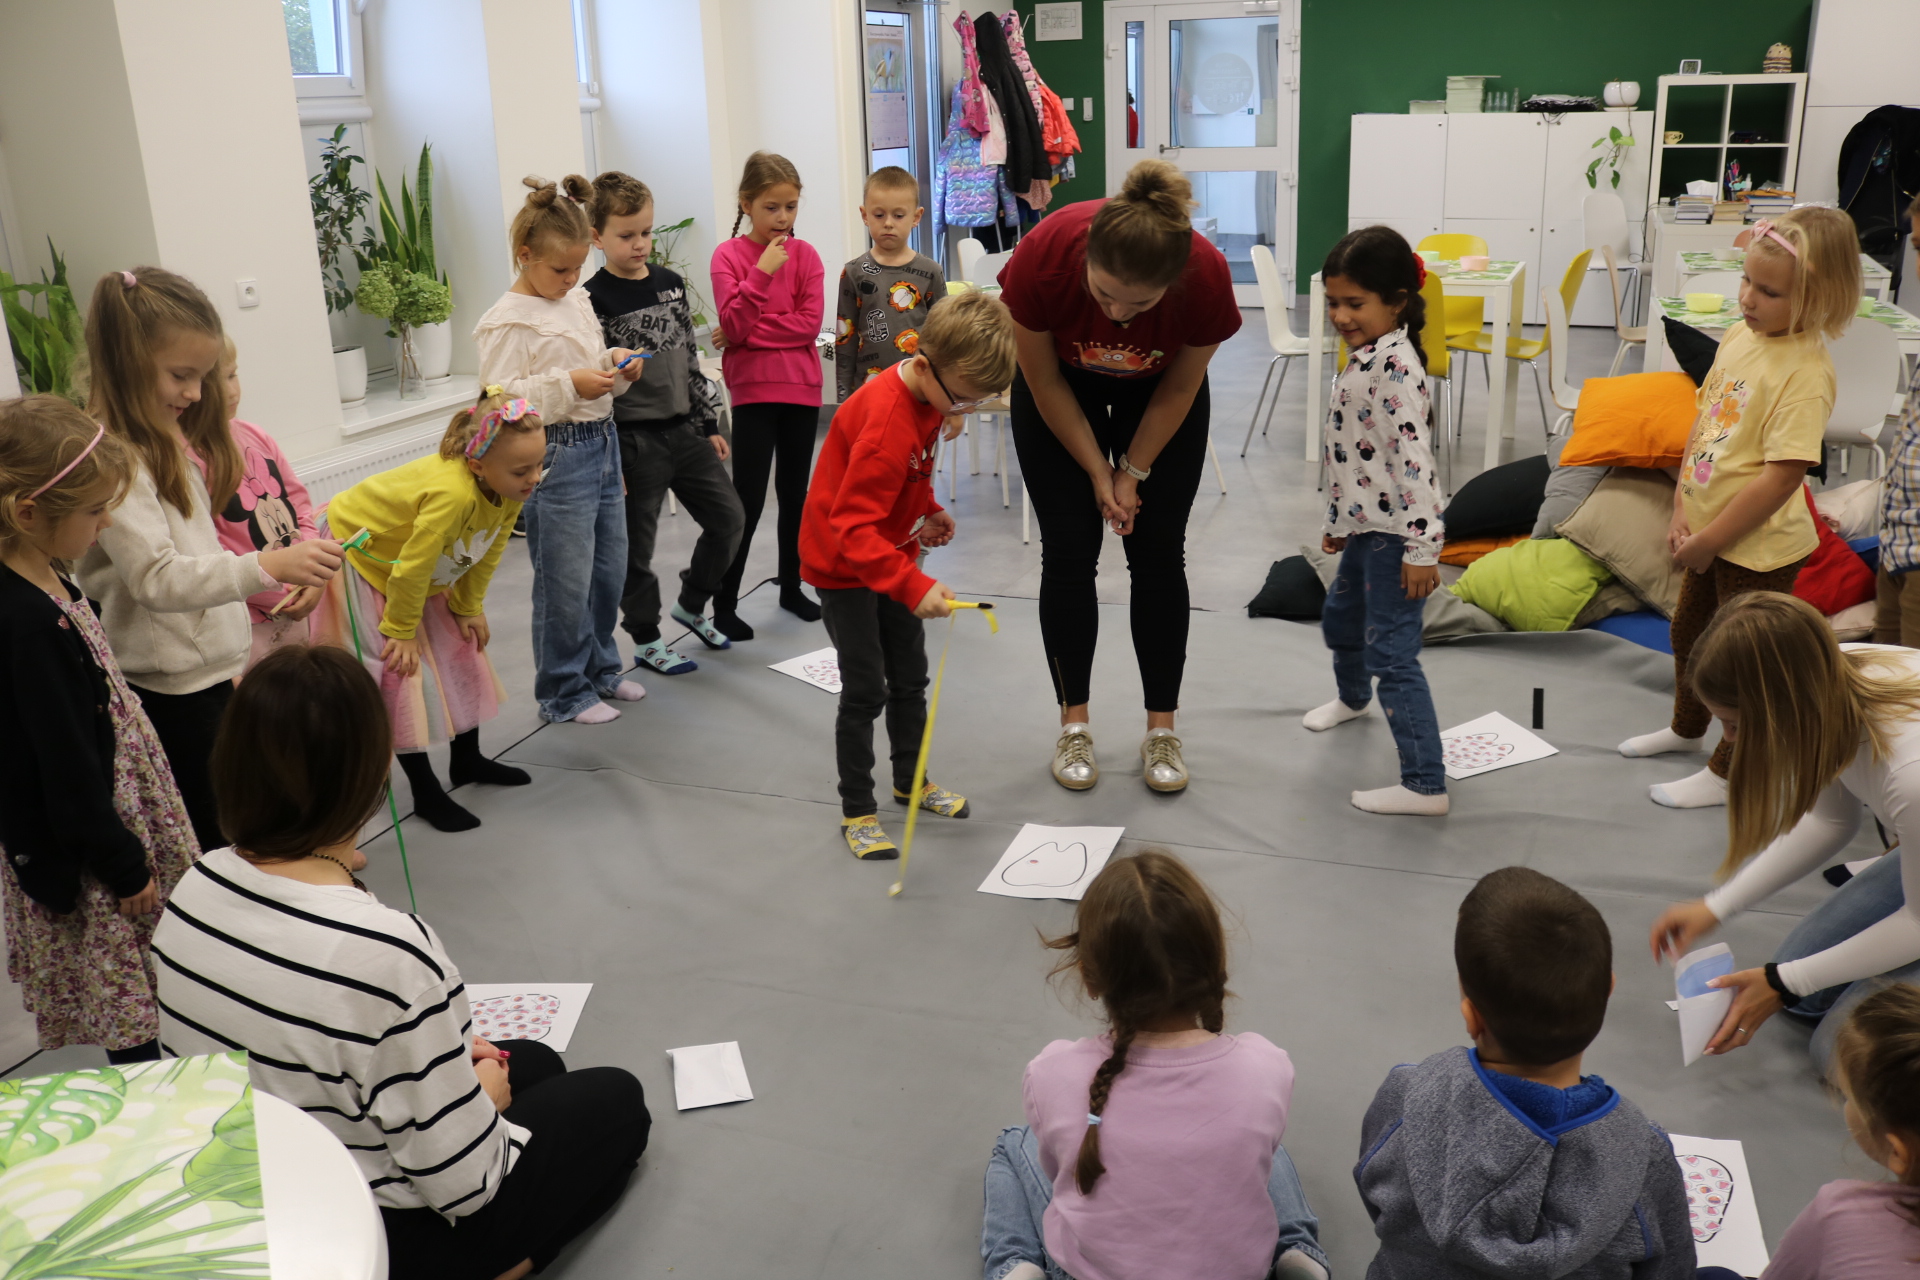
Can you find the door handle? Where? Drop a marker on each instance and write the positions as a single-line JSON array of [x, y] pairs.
[[1164, 148]]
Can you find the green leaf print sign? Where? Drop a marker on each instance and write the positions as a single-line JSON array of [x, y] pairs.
[[149, 1171]]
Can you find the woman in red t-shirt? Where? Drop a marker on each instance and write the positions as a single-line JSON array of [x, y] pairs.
[[1118, 306]]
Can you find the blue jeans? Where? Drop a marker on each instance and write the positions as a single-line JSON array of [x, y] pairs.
[[577, 536], [1018, 1194], [1374, 632], [1867, 899]]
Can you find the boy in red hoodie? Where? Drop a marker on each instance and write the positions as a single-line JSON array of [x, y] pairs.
[[870, 509]]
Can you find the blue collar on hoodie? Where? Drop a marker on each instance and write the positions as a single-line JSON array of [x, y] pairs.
[[1548, 1111]]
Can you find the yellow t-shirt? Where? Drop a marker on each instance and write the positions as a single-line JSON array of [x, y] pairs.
[[443, 534], [1765, 400]]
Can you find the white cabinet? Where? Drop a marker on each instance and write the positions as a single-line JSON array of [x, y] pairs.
[[1515, 179]]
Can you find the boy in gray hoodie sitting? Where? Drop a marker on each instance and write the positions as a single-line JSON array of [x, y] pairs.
[[1503, 1160]]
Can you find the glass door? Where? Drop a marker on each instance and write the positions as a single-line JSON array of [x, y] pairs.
[[1210, 86], [899, 43]]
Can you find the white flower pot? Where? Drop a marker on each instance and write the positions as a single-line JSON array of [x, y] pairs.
[[1621, 93], [350, 372], [433, 349]]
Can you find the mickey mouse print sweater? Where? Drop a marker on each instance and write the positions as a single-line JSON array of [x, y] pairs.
[[1379, 450]]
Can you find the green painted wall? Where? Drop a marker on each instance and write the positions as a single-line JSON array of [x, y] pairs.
[[1074, 69], [1374, 56]]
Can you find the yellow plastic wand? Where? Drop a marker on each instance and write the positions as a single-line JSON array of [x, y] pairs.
[[926, 735]]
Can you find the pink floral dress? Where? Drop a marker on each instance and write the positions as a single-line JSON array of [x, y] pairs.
[[87, 976]]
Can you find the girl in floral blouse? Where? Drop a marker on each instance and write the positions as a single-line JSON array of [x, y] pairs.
[[1383, 511]]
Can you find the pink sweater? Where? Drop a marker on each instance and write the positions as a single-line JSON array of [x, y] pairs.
[[1851, 1231], [772, 322], [272, 509], [1188, 1137]]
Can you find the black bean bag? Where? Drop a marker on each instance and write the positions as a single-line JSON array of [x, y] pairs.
[[1693, 349], [1499, 503], [1292, 591]]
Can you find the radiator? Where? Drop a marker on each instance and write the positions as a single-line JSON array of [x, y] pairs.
[[334, 472]]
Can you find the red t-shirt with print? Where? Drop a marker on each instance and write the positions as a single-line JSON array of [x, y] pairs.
[[1044, 284]]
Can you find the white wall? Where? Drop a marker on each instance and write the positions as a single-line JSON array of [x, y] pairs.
[[535, 94]]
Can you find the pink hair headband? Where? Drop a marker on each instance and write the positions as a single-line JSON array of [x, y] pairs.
[[1764, 227], [79, 458], [489, 429]]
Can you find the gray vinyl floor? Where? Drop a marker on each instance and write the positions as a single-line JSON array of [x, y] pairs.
[[686, 860]]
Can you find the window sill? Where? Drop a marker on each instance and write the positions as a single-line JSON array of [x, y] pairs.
[[321, 109], [383, 408]]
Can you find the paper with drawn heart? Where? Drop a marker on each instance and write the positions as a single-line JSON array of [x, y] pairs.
[[1052, 862], [821, 668], [543, 1011], [1489, 743], [1720, 1204]]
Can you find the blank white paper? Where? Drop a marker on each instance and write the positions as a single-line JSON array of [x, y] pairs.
[[706, 1075], [1052, 862], [1489, 743], [1720, 1204]]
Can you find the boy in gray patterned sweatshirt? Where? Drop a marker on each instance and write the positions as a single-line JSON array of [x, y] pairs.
[[885, 292], [1503, 1160]]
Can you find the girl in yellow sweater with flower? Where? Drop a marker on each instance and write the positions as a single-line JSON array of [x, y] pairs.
[[412, 602]]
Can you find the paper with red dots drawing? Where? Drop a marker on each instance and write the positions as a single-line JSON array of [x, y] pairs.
[[1489, 743], [1052, 862], [543, 1011], [821, 669], [1720, 1204]]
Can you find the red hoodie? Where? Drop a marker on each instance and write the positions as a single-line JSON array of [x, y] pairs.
[[872, 490]]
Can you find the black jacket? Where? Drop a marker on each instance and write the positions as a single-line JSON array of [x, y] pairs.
[[1027, 161], [57, 817]]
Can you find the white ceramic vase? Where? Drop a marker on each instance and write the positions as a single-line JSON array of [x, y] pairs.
[[433, 349], [350, 373], [1623, 94]]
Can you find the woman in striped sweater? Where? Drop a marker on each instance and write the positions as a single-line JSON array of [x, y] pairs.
[[353, 1012]]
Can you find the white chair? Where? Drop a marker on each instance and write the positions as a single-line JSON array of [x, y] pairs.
[[322, 1223], [1603, 220], [1867, 371], [1280, 336], [1566, 396], [1631, 335], [978, 267]]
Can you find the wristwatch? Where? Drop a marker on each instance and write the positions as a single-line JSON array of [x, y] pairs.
[[1787, 998], [1138, 473]]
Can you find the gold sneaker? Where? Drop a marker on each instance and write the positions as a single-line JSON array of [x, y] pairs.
[[1073, 763], [867, 841], [1163, 768]]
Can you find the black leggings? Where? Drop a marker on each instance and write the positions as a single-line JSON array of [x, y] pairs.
[[589, 1128], [186, 724], [760, 431], [1071, 530]]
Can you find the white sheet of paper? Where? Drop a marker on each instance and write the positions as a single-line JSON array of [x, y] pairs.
[[1489, 743], [1701, 1009], [821, 668], [1725, 1216], [1857, 867], [1052, 862], [706, 1075], [543, 1011]]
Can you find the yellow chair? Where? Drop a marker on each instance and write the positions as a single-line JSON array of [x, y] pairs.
[[1462, 315], [1528, 350]]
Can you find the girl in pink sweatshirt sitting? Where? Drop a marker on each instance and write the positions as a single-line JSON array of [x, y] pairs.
[[768, 287], [1082, 1189]]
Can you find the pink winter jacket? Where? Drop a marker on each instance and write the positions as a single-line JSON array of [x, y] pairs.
[[772, 322]]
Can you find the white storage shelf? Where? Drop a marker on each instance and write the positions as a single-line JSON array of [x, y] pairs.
[[1515, 179]]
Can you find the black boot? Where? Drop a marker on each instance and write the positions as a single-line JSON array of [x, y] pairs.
[[430, 799], [468, 765]]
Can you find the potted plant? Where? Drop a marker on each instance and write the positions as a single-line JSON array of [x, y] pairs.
[[1616, 144], [666, 253], [338, 204], [45, 347], [408, 301], [404, 250]]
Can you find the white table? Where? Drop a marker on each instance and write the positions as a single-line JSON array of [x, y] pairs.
[[322, 1223], [1875, 279], [1503, 284], [1905, 325]]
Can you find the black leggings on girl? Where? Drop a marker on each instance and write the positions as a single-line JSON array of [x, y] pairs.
[[776, 438], [186, 724], [1071, 531]]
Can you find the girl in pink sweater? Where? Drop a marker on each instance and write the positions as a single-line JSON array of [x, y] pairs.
[[1082, 1188], [768, 287]]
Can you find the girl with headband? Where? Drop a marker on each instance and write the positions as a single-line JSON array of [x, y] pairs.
[[92, 828], [422, 542], [1740, 520]]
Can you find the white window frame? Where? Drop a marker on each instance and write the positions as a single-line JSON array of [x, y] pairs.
[[333, 99], [585, 69]]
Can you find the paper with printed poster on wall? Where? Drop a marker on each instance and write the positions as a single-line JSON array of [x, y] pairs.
[[1489, 743], [1052, 862], [543, 1011], [1720, 1204], [821, 668]]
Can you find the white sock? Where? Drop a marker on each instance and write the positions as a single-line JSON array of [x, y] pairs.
[[1298, 1264], [1660, 742], [629, 691], [1025, 1271], [1397, 799], [1336, 712], [598, 713], [1695, 791]]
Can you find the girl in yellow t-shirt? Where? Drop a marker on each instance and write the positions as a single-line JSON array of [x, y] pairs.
[[1740, 522], [435, 530]]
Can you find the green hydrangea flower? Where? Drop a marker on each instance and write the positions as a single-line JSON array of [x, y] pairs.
[[422, 300], [376, 295]]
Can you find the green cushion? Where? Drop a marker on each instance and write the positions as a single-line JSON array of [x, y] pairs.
[[1541, 584]]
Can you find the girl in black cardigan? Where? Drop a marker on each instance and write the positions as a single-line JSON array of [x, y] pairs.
[[92, 828]]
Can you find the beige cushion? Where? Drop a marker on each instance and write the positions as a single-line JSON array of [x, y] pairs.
[[1623, 524]]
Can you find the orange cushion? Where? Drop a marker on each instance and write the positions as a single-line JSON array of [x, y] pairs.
[[1636, 420], [1464, 551]]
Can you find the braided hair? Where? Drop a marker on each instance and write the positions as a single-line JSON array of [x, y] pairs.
[[1148, 944], [763, 170], [1380, 260]]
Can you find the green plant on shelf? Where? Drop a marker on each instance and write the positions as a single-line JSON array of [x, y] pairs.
[[1616, 144], [44, 330], [403, 298], [666, 253], [406, 234]]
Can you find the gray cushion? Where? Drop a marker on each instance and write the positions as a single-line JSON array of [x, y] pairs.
[[1567, 488]]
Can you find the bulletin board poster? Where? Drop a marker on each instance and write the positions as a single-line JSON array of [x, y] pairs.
[[1057, 21], [887, 118]]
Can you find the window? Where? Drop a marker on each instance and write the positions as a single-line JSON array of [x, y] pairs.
[[323, 39], [589, 86]]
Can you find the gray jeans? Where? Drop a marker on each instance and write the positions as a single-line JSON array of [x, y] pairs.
[[654, 459], [1867, 899]]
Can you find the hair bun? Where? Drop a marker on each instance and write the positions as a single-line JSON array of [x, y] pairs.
[[544, 192], [578, 189], [1161, 187]]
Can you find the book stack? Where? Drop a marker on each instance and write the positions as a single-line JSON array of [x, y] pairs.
[[1692, 209], [1729, 211], [1768, 202], [1467, 94]]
